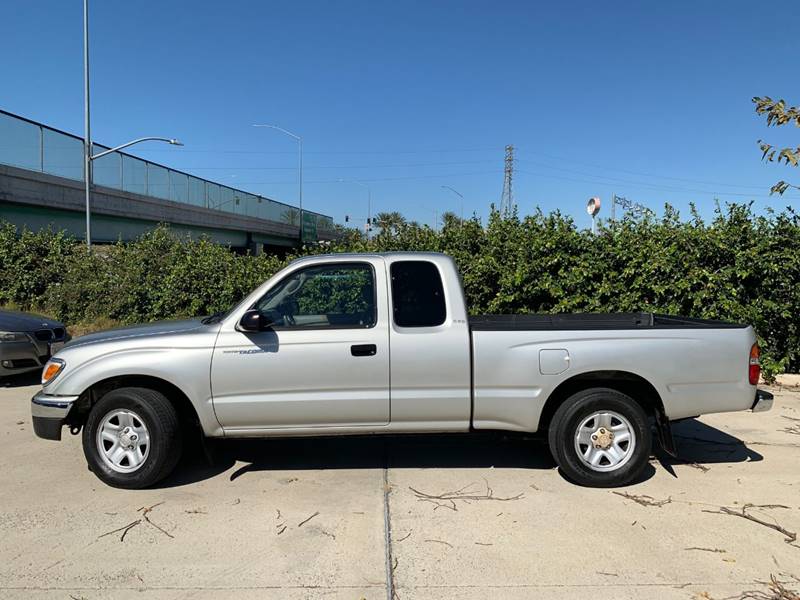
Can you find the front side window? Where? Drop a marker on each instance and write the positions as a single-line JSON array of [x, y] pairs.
[[417, 294], [324, 296]]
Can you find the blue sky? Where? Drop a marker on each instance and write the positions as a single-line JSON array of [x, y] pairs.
[[648, 100]]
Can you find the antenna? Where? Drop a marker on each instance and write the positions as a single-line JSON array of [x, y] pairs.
[[507, 199]]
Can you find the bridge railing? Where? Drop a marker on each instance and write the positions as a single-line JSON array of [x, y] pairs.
[[29, 145]]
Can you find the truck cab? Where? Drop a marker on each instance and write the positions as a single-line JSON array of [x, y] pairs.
[[348, 342]]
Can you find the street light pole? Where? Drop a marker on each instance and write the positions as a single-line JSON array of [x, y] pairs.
[[369, 201], [460, 195], [87, 138], [299, 166]]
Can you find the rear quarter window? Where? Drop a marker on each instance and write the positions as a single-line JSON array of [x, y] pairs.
[[417, 294]]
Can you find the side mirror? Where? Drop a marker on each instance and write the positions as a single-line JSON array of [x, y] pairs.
[[253, 321]]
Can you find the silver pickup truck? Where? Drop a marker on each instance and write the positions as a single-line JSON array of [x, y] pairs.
[[382, 343]]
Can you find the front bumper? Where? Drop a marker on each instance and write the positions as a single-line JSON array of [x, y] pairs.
[[49, 414], [763, 401], [21, 357]]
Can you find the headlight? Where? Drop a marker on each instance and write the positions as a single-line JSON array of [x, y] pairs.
[[13, 336], [53, 367]]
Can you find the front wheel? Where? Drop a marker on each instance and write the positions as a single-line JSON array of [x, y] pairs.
[[600, 437], [132, 438]]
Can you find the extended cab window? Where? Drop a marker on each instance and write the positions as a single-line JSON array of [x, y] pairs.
[[417, 294], [335, 295]]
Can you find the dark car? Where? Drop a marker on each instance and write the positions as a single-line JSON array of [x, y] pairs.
[[27, 341]]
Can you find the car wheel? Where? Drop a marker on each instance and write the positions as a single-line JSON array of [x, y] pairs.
[[132, 438], [600, 437]]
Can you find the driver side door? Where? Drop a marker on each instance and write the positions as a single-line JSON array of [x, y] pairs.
[[322, 362]]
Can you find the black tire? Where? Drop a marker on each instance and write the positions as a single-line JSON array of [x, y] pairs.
[[161, 420], [572, 413]]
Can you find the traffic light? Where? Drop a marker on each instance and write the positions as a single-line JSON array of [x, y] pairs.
[[347, 218]]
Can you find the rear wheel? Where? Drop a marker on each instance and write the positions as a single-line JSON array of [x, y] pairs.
[[132, 438], [600, 438]]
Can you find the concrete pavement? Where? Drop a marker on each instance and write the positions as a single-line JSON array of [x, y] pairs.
[[470, 517]]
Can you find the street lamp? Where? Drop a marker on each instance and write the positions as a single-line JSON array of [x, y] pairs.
[[87, 140], [88, 175], [172, 141], [369, 201], [460, 195], [299, 165]]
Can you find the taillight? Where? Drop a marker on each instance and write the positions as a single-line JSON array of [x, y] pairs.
[[754, 370]]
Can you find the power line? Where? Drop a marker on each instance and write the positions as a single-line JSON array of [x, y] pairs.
[[327, 152], [570, 160], [595, 179], [646, 185], [456, 163], [410, 178], [383, 166]]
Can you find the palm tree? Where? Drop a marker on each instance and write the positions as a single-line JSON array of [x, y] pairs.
[[389, 222]]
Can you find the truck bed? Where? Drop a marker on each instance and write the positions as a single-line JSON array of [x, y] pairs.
[[592, 321]]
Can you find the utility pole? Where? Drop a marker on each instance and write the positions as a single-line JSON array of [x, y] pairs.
[[507, 198]]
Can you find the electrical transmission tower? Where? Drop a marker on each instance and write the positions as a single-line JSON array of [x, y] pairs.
[[507, 199]]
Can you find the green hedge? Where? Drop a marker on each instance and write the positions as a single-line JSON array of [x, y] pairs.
[[739, 267]]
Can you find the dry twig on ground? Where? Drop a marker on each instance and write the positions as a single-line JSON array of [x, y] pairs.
[[644, 499], [304, 521], [440, 542], [145, 510], [776, 590], [793, 429], [124, 529], [790, 536], [698, 466], [464, 494], [145, 518]]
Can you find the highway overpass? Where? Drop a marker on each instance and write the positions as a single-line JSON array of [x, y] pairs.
[[41, 184]]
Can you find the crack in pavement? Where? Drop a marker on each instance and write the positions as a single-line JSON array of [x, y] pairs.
[[387, 527]]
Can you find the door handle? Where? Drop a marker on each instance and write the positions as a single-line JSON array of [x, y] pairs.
[[364, 350]]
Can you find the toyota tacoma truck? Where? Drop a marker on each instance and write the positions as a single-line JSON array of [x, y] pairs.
[[382, 344]]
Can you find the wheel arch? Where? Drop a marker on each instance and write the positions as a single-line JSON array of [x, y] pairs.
[[631, 384], [187, 413]]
